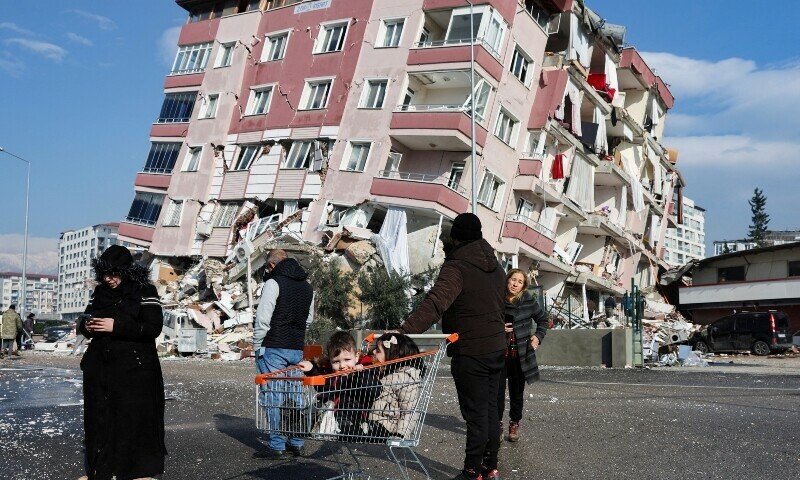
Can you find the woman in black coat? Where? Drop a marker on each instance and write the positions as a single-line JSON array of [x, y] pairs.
[[123, 390], [526, 326]]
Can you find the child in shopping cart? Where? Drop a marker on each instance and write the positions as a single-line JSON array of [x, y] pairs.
[[394, 412], [350, 395]]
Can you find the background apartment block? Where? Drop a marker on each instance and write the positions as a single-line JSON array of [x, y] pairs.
[[358, 114], [76, 250], [686, 242], [40, 292]]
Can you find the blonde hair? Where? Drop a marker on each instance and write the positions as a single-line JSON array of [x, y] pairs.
[[525, 283]]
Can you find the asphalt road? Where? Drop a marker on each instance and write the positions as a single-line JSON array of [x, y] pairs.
[[730, 420]]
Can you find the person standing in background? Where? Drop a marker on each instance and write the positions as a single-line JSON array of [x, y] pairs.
[[526, 326], [10, 326]]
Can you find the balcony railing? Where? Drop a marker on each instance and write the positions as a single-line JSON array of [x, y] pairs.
[[529, 222], [533, 156], [457, 42], [422, 177], [273, 4], [432, 108]]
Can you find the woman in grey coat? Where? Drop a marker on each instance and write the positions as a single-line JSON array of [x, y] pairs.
[[526, 326]]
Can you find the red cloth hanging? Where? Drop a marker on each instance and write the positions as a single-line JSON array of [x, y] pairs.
[[557, 171]]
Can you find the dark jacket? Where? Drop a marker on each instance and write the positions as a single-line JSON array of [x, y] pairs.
[[469, 297], [123, 388], [287, 327], [524, 314]]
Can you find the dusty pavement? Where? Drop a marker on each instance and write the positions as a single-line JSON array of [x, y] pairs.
[[729, 420]]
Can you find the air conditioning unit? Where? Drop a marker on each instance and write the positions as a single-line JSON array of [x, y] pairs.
[[204, 228]]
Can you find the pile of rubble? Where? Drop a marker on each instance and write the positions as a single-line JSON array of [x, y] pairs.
[[210, 304]]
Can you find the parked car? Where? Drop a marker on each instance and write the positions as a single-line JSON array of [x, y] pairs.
[[760, 332], [54, 334]]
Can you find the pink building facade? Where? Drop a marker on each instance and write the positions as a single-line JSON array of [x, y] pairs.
[[330, 113]]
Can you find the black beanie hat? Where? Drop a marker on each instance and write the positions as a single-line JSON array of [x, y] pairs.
[[466, 227], [118, 260], [117, 257]]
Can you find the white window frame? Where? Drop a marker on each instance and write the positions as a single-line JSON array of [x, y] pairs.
[[225, 215], [172, 218], [506, 127], [193, 156], [208, 108], [321, 44], [248, 154], [496, 47], [480, 109], [392, 163], [369, 84], [387, 39], [225, 55], [491, 195], [525, 72], [255, 106], [310, 93], [301, 155], [465, 11], [185, 52], [269, 54], [456, 174], [356, 147], [525, 208]]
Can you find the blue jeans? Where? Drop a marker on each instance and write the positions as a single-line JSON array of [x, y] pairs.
[[279, 393]]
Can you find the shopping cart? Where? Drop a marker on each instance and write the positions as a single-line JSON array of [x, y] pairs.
[[385, 403]]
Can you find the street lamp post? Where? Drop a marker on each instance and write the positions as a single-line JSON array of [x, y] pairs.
[[472, 166], [25, 240]]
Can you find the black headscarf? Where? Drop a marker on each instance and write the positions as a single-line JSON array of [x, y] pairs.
[[118, 261]]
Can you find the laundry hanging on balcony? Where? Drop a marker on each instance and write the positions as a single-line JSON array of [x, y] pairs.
[[557, 170]]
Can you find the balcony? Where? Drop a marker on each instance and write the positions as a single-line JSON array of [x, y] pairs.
[[136, 231], [153, 180], [530, 232], [435, 127], [456, 51], [506, 8], [609, 174], [599, 225], [419, 190]]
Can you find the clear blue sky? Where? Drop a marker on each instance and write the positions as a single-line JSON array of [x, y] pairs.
[[82, 82]]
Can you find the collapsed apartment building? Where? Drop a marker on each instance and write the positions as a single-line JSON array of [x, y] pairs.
[[304, 122]]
